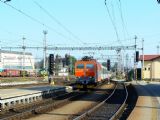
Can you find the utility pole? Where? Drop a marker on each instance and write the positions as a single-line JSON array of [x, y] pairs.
[[71, 62], [127, 61], [135, 65], [142, 59], [45, 49], [126, 71], [119, 62], [0, 52], [123, 60], [157, 49], [23, 47]]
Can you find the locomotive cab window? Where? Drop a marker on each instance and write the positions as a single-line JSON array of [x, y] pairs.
[[90, 66], [80, 66]]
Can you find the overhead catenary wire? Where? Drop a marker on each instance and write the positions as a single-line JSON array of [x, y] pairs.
[[58, 22], [36, 20], [111, 42], [117, 35], [113, 12], [122, 17], [113, 23]]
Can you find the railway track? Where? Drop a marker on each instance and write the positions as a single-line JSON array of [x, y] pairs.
[[51, 103], [34, 83], [20, 82], [11, 85], [110, 108], [83, 103], [58, 100]]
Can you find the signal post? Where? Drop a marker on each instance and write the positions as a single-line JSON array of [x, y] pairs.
[[108, 68], [51, 68]]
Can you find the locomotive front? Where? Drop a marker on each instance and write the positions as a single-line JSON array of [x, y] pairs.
[[85, 72]]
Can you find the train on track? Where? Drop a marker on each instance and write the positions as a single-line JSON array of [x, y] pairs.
[[13, 73], [89, 72]]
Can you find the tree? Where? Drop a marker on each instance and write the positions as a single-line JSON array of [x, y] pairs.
[[72, 64], [104, 64], [39, 64]]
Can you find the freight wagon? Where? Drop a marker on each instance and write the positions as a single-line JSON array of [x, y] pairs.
[[13, 73]]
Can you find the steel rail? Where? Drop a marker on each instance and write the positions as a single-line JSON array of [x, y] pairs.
[[41, 108], [94, 108], [121, 108]]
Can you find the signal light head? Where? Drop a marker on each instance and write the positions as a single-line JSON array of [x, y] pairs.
[[51, 63], [108, 65]]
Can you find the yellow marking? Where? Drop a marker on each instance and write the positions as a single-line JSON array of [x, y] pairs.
[[52, 83], [90, 86], [79, 86]]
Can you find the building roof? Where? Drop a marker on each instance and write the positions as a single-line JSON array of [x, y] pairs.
[[149, 57]]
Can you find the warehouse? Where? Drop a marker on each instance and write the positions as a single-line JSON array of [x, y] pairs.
[[151, 70], [16, 60]]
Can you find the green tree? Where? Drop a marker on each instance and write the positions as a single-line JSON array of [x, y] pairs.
[[72, 64]]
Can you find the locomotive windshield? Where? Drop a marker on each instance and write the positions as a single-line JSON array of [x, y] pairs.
[[80, 66], [89, 66]]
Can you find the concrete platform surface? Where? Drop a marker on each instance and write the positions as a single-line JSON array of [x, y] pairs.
[[8, 93], [148, 103]]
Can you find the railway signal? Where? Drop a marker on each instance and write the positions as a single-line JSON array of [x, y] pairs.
[[67, 58], [51, 64], [137, 56], [63, 62], [108, 65]]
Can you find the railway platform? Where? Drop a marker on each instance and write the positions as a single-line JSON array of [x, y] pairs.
[[148, 102]]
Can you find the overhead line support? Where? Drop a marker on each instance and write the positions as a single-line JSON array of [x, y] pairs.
[[135, 64], [117, 48], [23, 47]]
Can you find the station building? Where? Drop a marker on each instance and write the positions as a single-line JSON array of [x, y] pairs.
[[151, 70], [16, 60]]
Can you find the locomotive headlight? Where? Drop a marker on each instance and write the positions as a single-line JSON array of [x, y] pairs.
[[92, 77]]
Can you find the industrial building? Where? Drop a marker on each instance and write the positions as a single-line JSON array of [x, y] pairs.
[[151, 70], [16, 60]]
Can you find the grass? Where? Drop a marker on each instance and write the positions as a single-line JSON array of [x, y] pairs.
[[27, 79], [19, 79]]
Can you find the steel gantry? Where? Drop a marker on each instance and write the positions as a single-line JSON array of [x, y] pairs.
[[91, 48], [117, 48]]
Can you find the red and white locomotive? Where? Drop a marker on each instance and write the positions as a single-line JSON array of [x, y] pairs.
[[89, 73]]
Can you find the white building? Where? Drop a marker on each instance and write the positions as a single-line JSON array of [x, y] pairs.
[[151, 70], [16, 60], [63, 72]]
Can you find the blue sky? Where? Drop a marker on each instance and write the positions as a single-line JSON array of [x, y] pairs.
[[87, 19]]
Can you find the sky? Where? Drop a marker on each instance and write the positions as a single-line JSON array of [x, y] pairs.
[[87, 21]]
